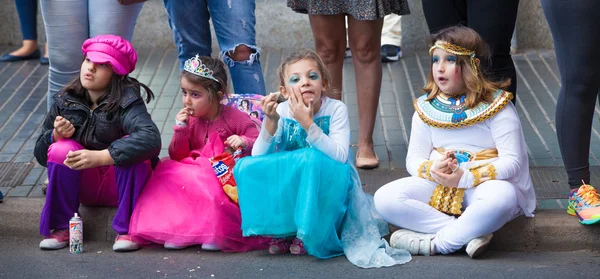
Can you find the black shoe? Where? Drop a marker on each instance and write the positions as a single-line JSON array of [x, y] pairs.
[[11, 58], [44, 60], [390, 53]]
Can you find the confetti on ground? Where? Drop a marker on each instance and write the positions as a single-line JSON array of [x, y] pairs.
[[158, 271], [192, 270], [261, 269], [165, 258], [99, 252], [212, 275]]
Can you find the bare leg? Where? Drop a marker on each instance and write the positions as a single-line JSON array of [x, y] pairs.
[[330, 43], [365, 41], [28, 47]]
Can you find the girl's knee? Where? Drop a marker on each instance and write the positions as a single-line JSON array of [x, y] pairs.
[[57, 152], [388, 198], [501, 194]]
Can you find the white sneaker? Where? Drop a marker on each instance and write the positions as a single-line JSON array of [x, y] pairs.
[[477, 245], [123, 243], [210, 247], [173, 246], [416, 243]]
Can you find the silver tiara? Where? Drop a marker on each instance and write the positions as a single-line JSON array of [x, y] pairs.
[[195, 66]]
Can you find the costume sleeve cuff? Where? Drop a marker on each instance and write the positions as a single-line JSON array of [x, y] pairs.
[[314, 133], [424, 170], [466, 181]]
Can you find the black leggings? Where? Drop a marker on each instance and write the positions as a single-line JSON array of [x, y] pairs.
[[494, 20], [575, 28]]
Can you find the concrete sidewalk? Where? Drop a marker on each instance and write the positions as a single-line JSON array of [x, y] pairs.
[[23, 87]]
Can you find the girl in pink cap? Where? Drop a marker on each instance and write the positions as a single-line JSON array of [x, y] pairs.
[[98, 131], [184, 203]]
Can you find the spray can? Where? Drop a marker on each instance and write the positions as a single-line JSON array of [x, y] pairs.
[[76, 235]]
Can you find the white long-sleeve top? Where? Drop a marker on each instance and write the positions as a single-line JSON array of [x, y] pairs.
[[330, 133], [501, 131]]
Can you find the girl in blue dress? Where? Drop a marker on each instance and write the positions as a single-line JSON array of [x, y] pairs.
[[300, 187]]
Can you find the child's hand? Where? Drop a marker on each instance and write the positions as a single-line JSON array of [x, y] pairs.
[[302, 112], [86, 159], [443, 165], [184, 114], [63, 129], [235, 142], [269, 106], [449, 180]]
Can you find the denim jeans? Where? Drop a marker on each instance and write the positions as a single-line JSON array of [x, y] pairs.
[[27, 10], [70, 22], [234, 23]]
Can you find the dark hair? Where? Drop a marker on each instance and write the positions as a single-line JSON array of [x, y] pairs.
[[308, 54], [213, 87], [254, 113], [118, 84], [479, 87]]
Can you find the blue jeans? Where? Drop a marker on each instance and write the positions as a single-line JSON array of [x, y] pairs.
[[27, 10], [70, 22], [234, 23]]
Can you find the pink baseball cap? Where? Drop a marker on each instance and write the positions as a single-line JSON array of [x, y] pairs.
[[111, 49]]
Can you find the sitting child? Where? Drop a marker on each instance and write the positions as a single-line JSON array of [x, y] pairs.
[[184, 203], [467, 157], [300, 186]]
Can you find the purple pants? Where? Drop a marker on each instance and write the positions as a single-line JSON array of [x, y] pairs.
[[102, 186]]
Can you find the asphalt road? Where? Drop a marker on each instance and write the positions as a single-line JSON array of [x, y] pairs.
[[21, 258]]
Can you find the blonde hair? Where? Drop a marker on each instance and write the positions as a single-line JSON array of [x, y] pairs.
[[311, 55], [479, 87]]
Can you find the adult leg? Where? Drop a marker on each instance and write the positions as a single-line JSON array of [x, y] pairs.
[[495, 22], [573, 25], [191, 31], [365, 41], [404, 203], [330, 44], [442, 14], [234, 24], [110, 17], [66, 24], [488, 207], [27, 10]]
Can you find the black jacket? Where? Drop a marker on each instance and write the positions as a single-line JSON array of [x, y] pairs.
[[99, 129]]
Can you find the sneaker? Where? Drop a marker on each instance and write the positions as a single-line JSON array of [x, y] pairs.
[[123, 243], [58, 239], [477, 245], [415, 243], [297, 247], [210, 247], [585, 204], [173, 246], [390, 53], [279, 246], [348, 53]]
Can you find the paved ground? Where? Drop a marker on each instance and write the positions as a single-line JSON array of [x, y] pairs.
[[99, 261], [23, 87]]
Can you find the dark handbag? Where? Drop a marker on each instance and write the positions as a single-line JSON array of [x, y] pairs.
[[129, 2]]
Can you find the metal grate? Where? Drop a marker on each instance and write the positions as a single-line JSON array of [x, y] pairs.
[[13, 174]]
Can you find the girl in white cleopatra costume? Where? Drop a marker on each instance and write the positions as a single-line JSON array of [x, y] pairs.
[[467, 157]]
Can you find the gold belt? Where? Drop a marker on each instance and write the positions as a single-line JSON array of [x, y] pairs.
[[449, 199]]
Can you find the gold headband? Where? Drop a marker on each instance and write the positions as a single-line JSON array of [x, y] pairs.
[[457, 50]]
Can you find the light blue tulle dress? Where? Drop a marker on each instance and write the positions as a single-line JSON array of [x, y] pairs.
[[299, 191]]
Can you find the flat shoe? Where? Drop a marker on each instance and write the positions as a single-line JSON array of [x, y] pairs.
[[367, 163], [12, 58]]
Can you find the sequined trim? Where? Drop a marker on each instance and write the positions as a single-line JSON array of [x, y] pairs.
[[425, 170], [483, 173], [439, 118], [447, 199]]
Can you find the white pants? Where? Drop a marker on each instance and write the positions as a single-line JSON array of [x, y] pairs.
[[489, 206], [391, 34]]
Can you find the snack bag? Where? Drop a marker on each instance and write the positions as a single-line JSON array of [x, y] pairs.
[[223, 166]]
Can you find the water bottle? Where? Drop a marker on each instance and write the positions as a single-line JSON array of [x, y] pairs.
[[76, 235]]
